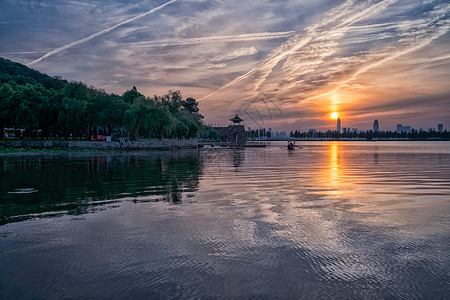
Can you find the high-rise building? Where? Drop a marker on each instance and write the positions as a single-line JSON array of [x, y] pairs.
[[440, 127], [401, 128], [338, 125], [376, 126]]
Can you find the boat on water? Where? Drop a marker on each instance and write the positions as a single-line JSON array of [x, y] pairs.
[[291, 145]]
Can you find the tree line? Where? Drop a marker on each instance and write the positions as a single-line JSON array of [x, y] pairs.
[[371, 135], [47, 107], [258, 134]]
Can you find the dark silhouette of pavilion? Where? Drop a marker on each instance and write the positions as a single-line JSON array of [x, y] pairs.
[[234, 134]]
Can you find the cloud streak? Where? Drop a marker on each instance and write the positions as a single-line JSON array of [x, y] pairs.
[[331, 27], [313, 58], [214, 39], [102, 32]]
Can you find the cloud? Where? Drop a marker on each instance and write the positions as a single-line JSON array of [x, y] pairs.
[[237, 53], [321, 38], [315, 57], [102, 32], [213, 39]]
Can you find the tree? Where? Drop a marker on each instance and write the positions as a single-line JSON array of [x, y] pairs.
[[49, 114], [191, 105], [33, 102], [181, 128], [162, 122], [6, 107], [76, 90], [137, 117], [173, 100], [70, 118], [130, 122], [106, 111], [210, 133], [131, 95]]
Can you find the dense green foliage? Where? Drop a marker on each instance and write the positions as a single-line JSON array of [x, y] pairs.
[[51, 107]]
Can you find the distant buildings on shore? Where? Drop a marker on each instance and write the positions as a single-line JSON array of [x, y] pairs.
[[402, 132], [401, 128], [376, 126]]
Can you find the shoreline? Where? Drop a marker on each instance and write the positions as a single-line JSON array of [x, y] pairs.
[[99, 145], [14, 146]]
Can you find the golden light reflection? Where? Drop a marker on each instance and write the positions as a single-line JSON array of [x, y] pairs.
[[336, 173], [334, 163]]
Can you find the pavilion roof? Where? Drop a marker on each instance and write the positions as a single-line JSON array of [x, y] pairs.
[[236, 119]]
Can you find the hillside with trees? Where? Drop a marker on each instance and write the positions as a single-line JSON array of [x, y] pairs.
[[35, 105]]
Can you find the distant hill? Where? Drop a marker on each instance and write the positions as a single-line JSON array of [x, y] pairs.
[[15, 73]]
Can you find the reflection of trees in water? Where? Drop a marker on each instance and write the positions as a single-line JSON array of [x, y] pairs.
[[214, 160], [83, 182], [181, 175], [238, 157]]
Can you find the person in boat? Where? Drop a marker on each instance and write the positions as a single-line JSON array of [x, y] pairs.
[[291, 145]]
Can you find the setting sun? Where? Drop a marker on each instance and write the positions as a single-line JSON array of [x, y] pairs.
[[334, 115]]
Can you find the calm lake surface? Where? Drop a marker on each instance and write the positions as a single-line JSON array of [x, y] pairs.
[[334, 220]]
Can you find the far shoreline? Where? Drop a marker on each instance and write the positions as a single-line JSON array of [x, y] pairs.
[[36, 146]]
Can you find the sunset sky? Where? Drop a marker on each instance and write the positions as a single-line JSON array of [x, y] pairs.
[[281, 64]]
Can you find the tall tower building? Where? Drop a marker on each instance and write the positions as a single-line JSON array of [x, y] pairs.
[[399, 128], [338, 125], [376, 126], [440, 127]]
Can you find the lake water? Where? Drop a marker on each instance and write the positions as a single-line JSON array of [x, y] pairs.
[[333, 220]]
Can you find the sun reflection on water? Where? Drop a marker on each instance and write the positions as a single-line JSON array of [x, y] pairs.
[[334, 162]]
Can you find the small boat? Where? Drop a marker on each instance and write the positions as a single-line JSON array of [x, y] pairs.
[[292, 146]]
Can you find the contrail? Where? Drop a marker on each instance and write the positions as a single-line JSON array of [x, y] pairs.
[[214, 39], [293, 44], [180, 42], [228, 84], [341, 19], [25, 52], [99, 33]]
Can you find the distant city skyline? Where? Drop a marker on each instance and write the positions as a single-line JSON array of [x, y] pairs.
[[340, 125], [279, 64]]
